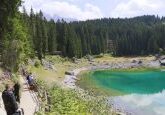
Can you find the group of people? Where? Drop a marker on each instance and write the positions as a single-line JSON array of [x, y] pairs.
[[11, 99], [11, 96]]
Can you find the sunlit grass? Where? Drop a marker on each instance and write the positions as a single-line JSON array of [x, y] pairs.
[[62, 65], [111, 59]]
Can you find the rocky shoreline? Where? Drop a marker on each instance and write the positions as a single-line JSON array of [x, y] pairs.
[[71, 76], [71, 79]]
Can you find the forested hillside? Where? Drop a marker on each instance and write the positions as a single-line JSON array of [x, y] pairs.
[[25, 35], [135, 36]]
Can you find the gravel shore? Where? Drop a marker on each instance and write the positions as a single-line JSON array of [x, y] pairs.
[[70, 80]]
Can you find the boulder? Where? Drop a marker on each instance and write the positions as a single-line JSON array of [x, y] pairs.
[[140, 62], [162, 62], [134, 61]]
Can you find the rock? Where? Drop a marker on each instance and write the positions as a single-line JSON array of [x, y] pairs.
[[89, 57], [69, 73], [48, 65], [140, 62], [162, 62], [157, 56], [90, 63], [134, 61]]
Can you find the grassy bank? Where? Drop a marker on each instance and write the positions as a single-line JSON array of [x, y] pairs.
[[62, 65]]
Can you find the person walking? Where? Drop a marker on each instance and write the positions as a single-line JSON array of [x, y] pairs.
[[9, 100], [30, 80]]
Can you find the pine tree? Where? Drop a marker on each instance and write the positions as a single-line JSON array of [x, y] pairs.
[[52, 40]]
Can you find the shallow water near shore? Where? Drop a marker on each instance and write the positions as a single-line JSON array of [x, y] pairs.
[[147, 81], [139, 91]]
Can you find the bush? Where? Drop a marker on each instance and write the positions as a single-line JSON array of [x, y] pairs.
[[65, 102], [37, 63], [68, 102]]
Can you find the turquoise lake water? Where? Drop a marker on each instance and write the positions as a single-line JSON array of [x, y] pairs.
[[127, 82], [139, 91]]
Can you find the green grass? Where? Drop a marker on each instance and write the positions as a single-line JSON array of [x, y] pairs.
[[61, 66], [43, 74], [106, 58], [64, 64]]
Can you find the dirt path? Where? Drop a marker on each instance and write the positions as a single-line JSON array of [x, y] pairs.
[[2, 110], [29, 101]]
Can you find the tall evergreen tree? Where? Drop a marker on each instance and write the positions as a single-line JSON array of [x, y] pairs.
[[52, 36]]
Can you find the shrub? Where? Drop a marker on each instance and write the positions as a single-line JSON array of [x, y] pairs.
[[66, 102], [37, 63], [70, 103]]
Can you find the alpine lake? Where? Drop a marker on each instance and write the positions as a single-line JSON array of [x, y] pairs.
[[139, 90], [117, 82]]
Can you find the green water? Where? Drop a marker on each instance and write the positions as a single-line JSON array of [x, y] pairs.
[[124, 82]]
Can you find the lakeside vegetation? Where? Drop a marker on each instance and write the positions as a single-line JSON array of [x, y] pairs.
[[65, 101], [61, 65]]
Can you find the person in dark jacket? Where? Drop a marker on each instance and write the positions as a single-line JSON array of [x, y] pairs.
[[17, 91], [9, 100], [30, 81]]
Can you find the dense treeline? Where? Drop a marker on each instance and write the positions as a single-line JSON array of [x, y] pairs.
[[49, 36], [135, 36], [23, 36]]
